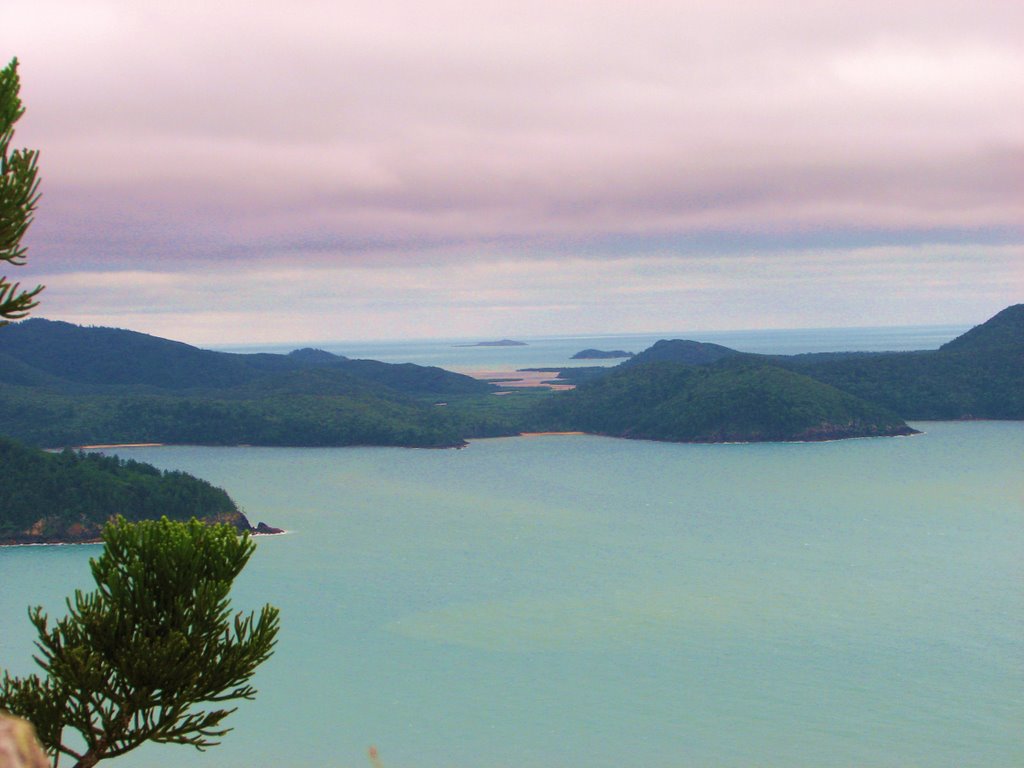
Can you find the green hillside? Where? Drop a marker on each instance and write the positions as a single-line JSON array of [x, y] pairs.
[[62, 384], [48, 497], [980, 374], [83, 360], [730, 402]]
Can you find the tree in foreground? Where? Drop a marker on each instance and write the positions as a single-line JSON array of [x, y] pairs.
[[141, 657], [19, 193]]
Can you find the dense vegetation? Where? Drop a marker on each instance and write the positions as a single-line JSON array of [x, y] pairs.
[[62, 384], [79, 359], [718, 403], [69, 496], [977, 375], [601, 354], [65, 385]]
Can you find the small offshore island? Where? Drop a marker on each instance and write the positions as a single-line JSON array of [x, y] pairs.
[[499, 343]]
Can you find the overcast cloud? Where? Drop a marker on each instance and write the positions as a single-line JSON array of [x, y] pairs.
[[222, 172]]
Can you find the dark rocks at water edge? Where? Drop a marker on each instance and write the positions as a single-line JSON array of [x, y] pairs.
[[600, 354], [264, 529]]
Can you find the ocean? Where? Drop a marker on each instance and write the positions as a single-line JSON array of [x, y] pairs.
[[590, 602]]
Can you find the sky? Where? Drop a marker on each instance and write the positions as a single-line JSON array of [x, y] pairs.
[[227, 172]]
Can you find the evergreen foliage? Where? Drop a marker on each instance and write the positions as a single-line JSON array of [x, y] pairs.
[[139, 658], [69, 496], [719, 403], [19, 193], [979, 374]]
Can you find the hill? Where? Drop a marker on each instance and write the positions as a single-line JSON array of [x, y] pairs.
[[62, 384], [727, 402], [67, 497], [681, 351], [85, 359], [979, 374], [1002, 333], [600, 354]]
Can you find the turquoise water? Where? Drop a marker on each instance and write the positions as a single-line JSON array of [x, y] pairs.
[[587, 602]]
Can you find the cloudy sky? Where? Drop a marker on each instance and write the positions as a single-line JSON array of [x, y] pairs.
[[223, 171]]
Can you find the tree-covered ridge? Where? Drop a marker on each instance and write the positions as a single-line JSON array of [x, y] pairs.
[[727, 402], [1003, 332], [312, 397], [62, 384], [69, 496], [284, 419], [980, 374], [84, 359], [681, 351]]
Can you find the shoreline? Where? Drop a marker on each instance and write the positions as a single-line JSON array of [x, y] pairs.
[[101, 446], [519, 379], [545, 434]]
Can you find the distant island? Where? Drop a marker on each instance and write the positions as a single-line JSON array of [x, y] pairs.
[[68, 385], [600, 354], [499, 343]]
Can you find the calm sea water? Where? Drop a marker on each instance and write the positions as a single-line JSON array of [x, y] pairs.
[[589, 602]]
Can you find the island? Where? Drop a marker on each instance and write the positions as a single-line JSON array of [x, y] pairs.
[[499, 343], [600, 354]]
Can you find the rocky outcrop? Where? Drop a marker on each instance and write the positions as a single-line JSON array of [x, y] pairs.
[[19, 747]]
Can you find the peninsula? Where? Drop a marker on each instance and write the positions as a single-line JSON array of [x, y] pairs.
[[66, 498]]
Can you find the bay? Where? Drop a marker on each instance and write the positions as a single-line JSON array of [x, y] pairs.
[[582, 601]]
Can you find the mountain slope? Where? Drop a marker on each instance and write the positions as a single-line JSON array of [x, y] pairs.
[[62, 384], [980, 374], [681, 351], [107, 359], [730, 402]]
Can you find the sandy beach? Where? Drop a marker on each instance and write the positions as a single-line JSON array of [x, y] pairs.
[[103, 446], [520, 378]]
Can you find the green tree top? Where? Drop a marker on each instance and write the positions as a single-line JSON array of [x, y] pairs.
[[19, 193], [156, 639]]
